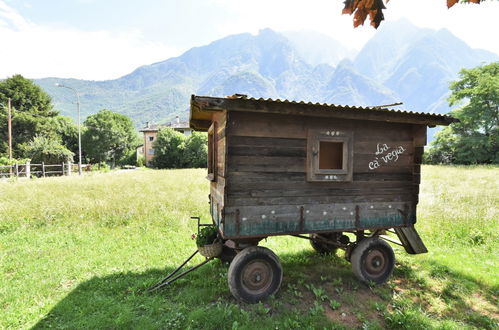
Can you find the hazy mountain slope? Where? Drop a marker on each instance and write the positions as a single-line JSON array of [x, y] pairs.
[[317, 48], [347, 86], [382, 52], [423, 74], [418, 64], [265, 65], [400, 63]]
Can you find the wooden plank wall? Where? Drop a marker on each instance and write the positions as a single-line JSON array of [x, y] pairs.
[[217, 187], [266, 164]]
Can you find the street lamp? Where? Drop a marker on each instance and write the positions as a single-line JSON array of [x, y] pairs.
[[79, 129]]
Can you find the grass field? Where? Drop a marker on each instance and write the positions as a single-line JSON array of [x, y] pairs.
[[79, 252]]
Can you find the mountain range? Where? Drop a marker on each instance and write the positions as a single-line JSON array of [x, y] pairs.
[[401, 63]]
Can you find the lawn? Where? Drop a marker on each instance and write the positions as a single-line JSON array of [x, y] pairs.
[[79, 253]]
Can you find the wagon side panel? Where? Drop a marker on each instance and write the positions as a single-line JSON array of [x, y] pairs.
[[268, 193]]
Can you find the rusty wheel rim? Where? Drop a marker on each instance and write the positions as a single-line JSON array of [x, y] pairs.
[[376, 263], [257, 276]]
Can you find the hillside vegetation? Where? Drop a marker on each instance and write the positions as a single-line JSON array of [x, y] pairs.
[[78, 252], [400, 63]]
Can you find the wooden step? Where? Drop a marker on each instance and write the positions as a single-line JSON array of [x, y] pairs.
[[411, 240]]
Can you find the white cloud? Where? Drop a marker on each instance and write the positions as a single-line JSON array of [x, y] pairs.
[[37, 51], [283, 15], [477, 25]]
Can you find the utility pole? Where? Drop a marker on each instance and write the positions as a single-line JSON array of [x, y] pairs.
[[9, 120]]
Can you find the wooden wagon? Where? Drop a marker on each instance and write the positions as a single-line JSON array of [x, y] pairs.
[[294, 168]]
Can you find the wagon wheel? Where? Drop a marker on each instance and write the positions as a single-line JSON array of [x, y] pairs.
[[322, 247], [373, 260], [254, 274]]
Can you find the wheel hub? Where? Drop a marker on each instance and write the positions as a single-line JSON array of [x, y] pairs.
[[376, 262], [257, 276]]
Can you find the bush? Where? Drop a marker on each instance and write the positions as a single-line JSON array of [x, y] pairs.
[[5, 161], [130, 158], [43, 149], [141, 161], [173, 150], [169, 149], [196, 150]]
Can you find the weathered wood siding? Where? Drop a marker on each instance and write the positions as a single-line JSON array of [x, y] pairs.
[[265, 184], [217, 187]]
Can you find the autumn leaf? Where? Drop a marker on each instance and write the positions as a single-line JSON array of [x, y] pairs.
[[349, 7], [360, 9], [363, 8], [360, 16], [451, 3]]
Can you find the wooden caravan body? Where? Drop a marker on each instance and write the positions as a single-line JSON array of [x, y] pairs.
[[281, 167]]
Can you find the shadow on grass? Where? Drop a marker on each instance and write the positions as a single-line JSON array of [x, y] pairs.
[[315, 290], [464, 298]]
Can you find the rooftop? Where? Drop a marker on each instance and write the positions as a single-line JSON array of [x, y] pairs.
[[202, 108], [176, 125]]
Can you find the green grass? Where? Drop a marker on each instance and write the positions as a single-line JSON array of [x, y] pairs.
[[79, 252]]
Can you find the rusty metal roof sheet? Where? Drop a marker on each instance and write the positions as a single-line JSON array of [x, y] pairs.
[[338, 106], [201, 105]]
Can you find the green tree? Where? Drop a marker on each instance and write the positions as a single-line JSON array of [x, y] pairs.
[[173, 150], [169, 149], [32, 112], [475, 139], [108, 137], [50, 151], [196, 150], [66, 129]]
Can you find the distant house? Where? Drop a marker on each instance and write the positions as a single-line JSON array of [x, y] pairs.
[[151, 132]]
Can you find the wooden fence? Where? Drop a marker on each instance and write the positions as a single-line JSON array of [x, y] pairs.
[[42, 170]]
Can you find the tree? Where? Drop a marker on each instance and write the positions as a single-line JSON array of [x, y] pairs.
[[44, 149], [108, 137], [173, 150], [475, 139], [66, 129], [169, 149], [32, 112], [374, 9], [196, 150]]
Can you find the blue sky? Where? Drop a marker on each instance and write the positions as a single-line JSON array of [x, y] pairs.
[[176, 22], [105, 39]]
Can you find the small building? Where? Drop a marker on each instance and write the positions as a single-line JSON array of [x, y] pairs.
[[334, 172], [151, 132], [345, 166]]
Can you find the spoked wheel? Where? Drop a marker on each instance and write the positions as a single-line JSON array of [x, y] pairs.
[[254, 274], [322, 247], [373, 260]]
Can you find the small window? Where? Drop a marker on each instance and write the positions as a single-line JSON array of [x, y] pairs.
[[212, 152], [329, 155], [151, 138], [150, 151]]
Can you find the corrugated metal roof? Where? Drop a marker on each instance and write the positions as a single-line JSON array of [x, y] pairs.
[[339, 106], [155, 128], [203, 107]]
